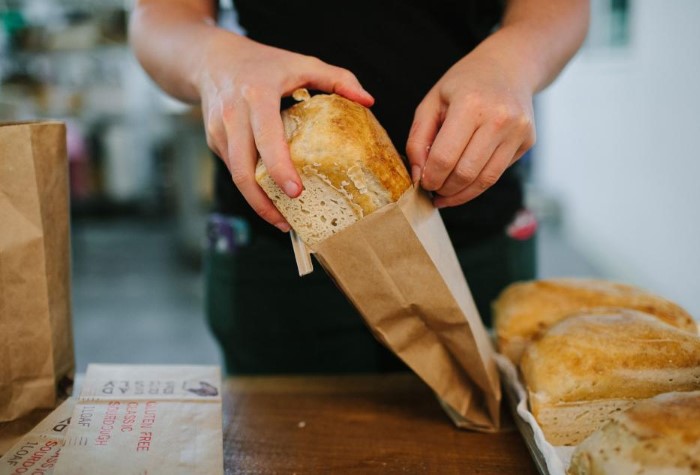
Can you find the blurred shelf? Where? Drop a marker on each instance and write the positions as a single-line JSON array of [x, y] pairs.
[[96, 49]]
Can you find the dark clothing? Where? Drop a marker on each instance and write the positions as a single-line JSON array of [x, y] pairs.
[[398, 49], [269, 320]]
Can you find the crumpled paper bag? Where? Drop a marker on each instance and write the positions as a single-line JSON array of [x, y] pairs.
[[36, 342], [399, 269]]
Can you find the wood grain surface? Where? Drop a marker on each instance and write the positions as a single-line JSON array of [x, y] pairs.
[[355, 424]]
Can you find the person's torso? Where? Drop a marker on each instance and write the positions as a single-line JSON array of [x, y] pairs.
[[398, 50]]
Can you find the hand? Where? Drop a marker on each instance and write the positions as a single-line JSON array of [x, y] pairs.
[[240, 85], [472, 125]]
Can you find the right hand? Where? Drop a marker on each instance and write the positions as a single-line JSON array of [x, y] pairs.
[[240, 84]]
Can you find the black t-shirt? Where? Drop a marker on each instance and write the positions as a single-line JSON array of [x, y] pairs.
[[398, 49]]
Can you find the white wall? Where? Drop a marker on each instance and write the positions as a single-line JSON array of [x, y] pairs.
[[619, 143]]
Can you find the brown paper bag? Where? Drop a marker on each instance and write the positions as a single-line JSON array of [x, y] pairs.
[[399, 269], [36, 345]]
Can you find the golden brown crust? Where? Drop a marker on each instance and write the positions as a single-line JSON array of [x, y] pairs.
[[334, 136], [524, 310], [657, 436], [623, 354], [345, 159], [669, 415], [386, 164]]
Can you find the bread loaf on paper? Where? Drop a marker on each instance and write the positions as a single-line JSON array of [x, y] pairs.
[[524, 310], [587, 367], [660, 436], [347, 163]]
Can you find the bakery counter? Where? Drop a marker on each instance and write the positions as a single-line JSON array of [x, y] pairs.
[[355, 424]]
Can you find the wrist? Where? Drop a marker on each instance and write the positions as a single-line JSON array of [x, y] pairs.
[[538, 38], [218, 49], [517, 56], [204, 55]]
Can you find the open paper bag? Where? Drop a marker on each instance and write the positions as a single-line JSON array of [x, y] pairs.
[[399, 269], [36, 345]]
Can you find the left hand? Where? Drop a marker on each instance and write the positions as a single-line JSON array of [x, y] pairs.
[[472, 125]]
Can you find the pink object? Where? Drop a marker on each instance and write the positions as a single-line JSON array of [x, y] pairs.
[[523, 226]]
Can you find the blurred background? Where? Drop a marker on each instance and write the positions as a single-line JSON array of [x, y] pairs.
[[612, 178]]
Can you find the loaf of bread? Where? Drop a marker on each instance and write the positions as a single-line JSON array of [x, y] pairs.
[[524, 310], [347, 163], [660, 436], [587, 367]]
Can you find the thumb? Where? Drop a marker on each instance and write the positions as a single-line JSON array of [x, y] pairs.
[[327, 78]]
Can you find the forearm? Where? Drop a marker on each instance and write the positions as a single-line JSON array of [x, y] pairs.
[[538, 37], [169, 39]]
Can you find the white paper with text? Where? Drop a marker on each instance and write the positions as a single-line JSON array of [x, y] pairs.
[[146, 420], [37, 452]]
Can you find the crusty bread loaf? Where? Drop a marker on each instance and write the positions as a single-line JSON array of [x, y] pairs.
[[524, 310], [587, 367], [347, 163], [660, 436]]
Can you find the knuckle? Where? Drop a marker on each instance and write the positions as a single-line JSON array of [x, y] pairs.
[[487, 179], [211, 143], [465, 174], [414, 146], [528, 144], [309, 68], [440, 159], [429, 183], [215, 138], [524, 121], [239, 175], [429, 108], [313, 61], [212, 131], [346, 76], [531, 140], [503, 117], [474, 101], [421, 109], [272, 148], [263, 134], [213, 118], [227, 114], [251, 92], [276, 170]]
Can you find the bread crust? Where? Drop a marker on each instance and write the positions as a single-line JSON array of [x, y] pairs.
[[585, 367], [346, 161], [659, 436], [525, 310]]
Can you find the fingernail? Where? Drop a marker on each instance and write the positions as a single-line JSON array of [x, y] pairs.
[[291, 189], [415, 173], [284, 227]]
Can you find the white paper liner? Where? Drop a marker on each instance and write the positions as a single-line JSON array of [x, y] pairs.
[[557, 458]]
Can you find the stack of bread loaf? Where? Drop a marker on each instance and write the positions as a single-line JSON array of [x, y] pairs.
[[587, 351]]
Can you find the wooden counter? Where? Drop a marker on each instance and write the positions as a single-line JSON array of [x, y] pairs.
[[355, 424]]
